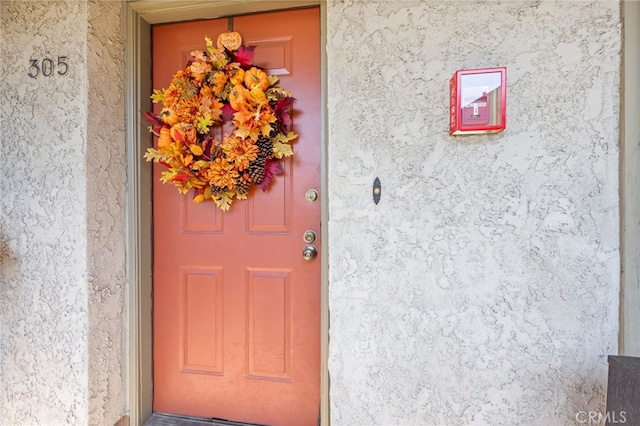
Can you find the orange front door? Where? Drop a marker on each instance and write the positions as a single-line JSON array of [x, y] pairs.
[[236, 306]]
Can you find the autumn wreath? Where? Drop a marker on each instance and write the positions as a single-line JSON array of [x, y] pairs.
[[217, 86]]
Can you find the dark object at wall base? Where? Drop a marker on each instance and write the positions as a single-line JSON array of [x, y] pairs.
[[623, 391]]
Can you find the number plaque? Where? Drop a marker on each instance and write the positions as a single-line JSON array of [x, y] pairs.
[[48, 67]]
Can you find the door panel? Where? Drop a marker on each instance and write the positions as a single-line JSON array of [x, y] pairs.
[[236, 307]]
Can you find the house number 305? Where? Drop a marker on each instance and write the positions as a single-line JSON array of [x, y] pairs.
[[48, 67]]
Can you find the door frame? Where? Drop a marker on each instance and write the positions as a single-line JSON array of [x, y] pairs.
[[629, 336], [141, 15]]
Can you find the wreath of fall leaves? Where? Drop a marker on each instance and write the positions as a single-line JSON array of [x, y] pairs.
[[215, 87]]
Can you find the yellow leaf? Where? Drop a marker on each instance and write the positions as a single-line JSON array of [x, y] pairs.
[[209, 44], [204, 123], [258, 95], [207, 193], [242, 133], [223, 201], [158, 96], [265, 129], [167, 176], [280, 137], [281, 149], [154, 155], [195, 149], [275, 93], [198, 198], [200, 164]]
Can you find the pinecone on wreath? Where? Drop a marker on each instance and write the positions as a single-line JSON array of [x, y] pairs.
[[216, 189], [265, 146], [256, 169], [243, 187], [244, 184]]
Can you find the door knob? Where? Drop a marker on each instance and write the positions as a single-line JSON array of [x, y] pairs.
[[309, 252]]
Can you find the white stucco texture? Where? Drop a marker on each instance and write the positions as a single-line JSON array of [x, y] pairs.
[[62, 324], [483, 288]]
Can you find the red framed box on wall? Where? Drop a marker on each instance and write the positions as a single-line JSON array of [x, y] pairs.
[[478, 101]]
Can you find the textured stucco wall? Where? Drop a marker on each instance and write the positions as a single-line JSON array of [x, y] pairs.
[[483, 289], [62, 357], [106, 179]]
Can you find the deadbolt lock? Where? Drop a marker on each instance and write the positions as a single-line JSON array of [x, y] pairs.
[[309, 236], [311, 196]]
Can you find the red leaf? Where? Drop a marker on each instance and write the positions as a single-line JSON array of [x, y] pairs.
[[282, 111], [181, 177], [227, 112], [244, 55], [154, 120], [271, 169], [177, 135]]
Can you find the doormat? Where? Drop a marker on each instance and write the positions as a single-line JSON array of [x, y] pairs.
[[161, 419]]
